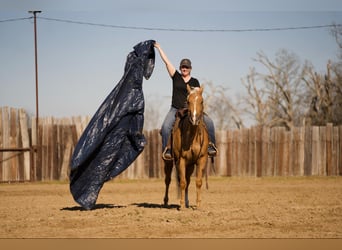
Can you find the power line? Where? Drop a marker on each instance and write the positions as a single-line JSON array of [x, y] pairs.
[[177, 29], [15, 19], [190, 30]]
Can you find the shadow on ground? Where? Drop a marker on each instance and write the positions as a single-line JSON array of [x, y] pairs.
[[97, 206], [153, 205]]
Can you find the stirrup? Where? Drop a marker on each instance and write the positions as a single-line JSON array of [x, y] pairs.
[[212, 150], [167, 154]]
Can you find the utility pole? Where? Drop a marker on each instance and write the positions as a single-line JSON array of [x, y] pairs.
[[34, 12]]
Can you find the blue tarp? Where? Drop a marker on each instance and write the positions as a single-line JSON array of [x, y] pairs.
[[113, 138]]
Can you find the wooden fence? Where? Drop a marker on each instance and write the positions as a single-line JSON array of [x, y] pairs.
[[256, 151]]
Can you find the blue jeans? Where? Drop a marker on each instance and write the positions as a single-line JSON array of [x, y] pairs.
[[170, 120]]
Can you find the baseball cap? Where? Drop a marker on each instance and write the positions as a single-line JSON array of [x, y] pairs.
[[185, 62]]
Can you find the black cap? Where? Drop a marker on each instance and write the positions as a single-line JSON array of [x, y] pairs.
[[185, 62]]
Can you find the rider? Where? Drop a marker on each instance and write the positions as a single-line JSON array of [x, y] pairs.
[[179, 95]]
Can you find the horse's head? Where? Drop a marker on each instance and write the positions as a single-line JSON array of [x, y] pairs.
[[195, 104]]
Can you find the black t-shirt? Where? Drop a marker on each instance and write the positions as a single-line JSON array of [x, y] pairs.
[[179, 91]]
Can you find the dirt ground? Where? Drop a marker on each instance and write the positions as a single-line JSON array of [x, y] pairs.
[[235, 207]]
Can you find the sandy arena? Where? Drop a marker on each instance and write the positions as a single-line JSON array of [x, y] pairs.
[[294, 207]]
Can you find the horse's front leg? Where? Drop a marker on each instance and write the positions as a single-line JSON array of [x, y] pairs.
[[201, 163], [168, 165], [182, 181], [188, 172]]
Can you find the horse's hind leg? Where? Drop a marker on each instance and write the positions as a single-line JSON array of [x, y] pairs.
[[168, 170]]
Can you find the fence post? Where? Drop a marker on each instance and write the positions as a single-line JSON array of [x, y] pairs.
[[335, 151], [265, 140], [280, 151], [25, 142], [308, 150], [5, 144], [329, 148], [229, 153], [221, 159], [315, 151], [250, 143], [340, 151], [1, 144], [259, 150]]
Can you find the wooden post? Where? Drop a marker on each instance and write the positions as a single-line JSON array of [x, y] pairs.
[[64, 175], [329, 148], [229, 152], [244, 152], [288, 150], [280, 151], [25, 142], [221, 157], [13, 175], [1, 144], [159, 150], [301, 151], [308, 150], [33, 152], [265, 162], [6, 144], [147, 154], [155, 153], [258, 150], [322, 151], [340, 151], [39, 154], [251, 150], [236, 156], [315, 150], [273, 153], [335, 151]]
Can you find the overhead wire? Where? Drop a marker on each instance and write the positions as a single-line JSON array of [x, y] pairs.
[[176, 29], [15, 19], [190, 30]]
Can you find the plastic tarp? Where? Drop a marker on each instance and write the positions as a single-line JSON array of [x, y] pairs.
[[113, 138]]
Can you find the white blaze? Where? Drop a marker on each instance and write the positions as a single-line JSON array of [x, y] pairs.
[[195, 106]]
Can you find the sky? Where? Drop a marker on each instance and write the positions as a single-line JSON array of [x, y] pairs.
[[79, 64]]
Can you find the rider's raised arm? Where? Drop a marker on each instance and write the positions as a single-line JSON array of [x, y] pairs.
[[170, 68]]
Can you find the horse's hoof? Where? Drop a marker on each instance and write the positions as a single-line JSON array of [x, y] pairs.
[[180, 208]]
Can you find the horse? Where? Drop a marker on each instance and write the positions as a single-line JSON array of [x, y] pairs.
[[189, 148]]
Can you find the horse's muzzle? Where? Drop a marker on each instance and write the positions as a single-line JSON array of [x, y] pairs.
[[194, 120]]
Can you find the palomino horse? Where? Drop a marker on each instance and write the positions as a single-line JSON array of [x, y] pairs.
[[189, 147]]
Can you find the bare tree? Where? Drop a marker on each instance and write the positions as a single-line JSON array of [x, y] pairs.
[[326, 96], [256, 105], [326, 90], [278, 102], [336, 32], [220, 107]]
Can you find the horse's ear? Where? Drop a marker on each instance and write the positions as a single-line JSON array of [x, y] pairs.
[[188, 88], [201, 89]]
